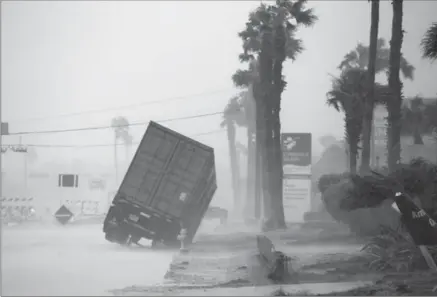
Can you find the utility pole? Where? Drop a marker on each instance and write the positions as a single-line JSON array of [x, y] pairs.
[[20, 141]]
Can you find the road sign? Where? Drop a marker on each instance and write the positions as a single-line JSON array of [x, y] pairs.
[[63, 215], [296, 153]]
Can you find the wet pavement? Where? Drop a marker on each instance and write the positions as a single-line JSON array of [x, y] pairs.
[[73, 260]]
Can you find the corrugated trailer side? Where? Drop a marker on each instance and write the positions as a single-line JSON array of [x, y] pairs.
[[170, 183]]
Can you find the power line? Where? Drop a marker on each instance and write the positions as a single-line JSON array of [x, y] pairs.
[[170, 99], [98, 145], [110, 127]]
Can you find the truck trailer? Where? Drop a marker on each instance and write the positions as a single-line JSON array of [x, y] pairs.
[[167, 187]]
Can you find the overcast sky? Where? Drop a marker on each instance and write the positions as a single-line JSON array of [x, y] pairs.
[[71, 57]]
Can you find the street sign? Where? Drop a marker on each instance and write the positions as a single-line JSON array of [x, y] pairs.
[[296, 153], [63, 215]]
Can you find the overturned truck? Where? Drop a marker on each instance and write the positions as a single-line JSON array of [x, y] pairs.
[[167, 187]]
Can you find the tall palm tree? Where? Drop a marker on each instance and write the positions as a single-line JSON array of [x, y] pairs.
[[429, 43], [233, 116], [369, 102], [120, 125], [395, 84], [269, 38]]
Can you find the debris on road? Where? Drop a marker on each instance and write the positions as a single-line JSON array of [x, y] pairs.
[[275, 261]]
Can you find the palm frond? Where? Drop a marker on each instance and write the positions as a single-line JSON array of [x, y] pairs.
[[243, 78], [359, 58], [293, 46], [407, 69], [429, 43], [348, 60]]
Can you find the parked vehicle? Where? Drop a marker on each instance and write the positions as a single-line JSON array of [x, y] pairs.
[[168, 186]]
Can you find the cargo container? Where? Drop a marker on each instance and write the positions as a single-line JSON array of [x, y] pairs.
[[168, 186]]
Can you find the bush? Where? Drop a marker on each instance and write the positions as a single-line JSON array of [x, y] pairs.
[[394, 250], [418, 179], [363, 222], [364, 202], [328, 180]]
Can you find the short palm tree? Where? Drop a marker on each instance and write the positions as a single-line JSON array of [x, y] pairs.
[[233, 116], [346, 96], [120, 125], [429, 43]]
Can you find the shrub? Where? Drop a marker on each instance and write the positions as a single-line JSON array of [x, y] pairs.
[[363, 222], [328, 180], [394, 250], [418, 179]]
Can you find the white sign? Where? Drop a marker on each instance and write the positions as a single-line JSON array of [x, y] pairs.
[[296, 198], [380, 125]]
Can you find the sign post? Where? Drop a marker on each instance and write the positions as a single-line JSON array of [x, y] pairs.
[[296, 162]]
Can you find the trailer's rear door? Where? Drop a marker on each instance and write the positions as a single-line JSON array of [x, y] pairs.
[[177, 191], [148, 166]]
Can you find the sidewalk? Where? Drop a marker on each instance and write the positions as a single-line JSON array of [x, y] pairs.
[[225, 263]]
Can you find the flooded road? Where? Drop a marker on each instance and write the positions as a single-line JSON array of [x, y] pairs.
[[73, 260]]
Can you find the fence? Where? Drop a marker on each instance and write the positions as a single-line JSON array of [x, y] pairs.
[[17, 209], [83, 207]]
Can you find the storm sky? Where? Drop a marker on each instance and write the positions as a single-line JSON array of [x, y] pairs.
[[78, 64]]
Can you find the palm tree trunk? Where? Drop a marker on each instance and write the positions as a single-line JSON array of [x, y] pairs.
[[266, 76], [251, 153], [278, 87], [370, 98], [353, 152], [278, 176], [259, 126], [250, 183], [395, 84], [233, 159]]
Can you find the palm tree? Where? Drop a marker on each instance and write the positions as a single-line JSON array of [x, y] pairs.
[[429, 43], [345, 96], [249, 79], [348, 94], [247, 103], [120, 125], [395, 84], [369, 102], [359, 58], [232, 116], [269, 38]]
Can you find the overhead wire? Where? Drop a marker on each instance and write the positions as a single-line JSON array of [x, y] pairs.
[[116, 126], [134, 105], [99, 145]]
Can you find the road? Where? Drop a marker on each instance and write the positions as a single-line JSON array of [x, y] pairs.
[[73, 260]]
